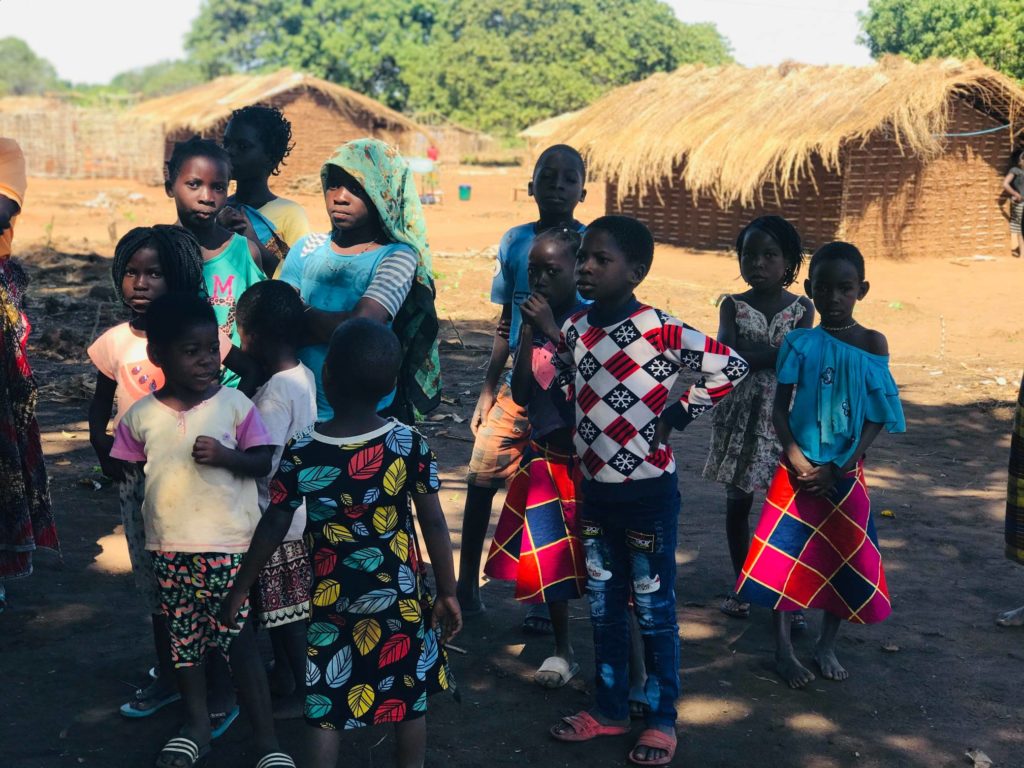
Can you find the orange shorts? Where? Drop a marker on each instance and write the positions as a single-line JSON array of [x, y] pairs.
[[499, 443]]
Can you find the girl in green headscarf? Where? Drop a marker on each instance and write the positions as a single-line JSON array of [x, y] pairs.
[[374, 263]]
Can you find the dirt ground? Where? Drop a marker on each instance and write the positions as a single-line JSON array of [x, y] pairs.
[[935, 680]]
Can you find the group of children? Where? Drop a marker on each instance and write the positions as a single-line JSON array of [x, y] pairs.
[[294, 508]]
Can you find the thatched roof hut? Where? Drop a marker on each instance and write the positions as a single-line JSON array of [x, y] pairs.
[[323, 115], [539, 135], [902, 159]]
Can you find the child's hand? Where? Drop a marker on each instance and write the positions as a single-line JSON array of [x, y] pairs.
[[112, 468], [447, 614], [504, 328], [229, 610], [537, 312], [820, 480], [661, 435], [235, 220], [801, 466], [207, 450], [483, 407]]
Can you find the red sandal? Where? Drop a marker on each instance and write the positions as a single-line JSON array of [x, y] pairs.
[[655, 739], [583, 727]]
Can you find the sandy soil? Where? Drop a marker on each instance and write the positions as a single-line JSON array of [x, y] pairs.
[[936, 679]]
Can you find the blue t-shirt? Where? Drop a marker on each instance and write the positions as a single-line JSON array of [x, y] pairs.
[[838, 388], [332, 282], [511, 284]]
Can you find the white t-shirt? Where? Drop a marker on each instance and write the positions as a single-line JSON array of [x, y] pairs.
[[287, 405], [192, 507]]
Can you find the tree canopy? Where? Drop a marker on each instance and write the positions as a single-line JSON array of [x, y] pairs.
[[24, 73], [495, 65], [992, 30], [158, 79]]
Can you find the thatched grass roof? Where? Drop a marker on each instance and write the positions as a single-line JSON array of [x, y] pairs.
[[206, 106], [548, 127], [733, 128]]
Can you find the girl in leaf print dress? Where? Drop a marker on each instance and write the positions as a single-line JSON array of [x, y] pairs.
[[375, 639]]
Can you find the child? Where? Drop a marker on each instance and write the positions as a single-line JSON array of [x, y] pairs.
[[197, 179], [536, 543], [374, 652], [744, 449], [258, 139], [26, 514], [621, 359], [374, 263], [815, 544], [500, 426], [203, 445], [148, 262], [269, 320], [1013, 185]]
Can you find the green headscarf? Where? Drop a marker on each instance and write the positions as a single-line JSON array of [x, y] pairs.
[[389, 183]]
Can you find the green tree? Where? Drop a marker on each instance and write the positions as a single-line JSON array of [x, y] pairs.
[[992, 30], [23, 72], [159, 79], [496, 65]]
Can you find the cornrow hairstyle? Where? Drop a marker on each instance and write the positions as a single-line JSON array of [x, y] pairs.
[[172, 314], [837, 251], [788, 239], [274, 129], [181, 260], [272, 309], [570, 239], [195, 147], [631, 235], [562, 149]]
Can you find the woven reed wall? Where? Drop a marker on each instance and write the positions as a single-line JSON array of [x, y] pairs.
[[900, 207], [75, 143], [318, 128], [678, 219]]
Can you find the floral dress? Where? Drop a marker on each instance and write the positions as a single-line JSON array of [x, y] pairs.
[[371, 656], [744, 449]]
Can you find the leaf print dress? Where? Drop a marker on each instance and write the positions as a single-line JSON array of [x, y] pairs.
[[371, 658]]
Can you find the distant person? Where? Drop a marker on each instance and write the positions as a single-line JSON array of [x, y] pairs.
[[376, 638], [744, 447], [197, 179], [148, 263], [258, 139], [375, 263], [620, 359], [1013, 185], [270, 321], [202, 446], [26, 517], [1014, 531], [815, 545], [433, 179], [537, 544], [501, 427]]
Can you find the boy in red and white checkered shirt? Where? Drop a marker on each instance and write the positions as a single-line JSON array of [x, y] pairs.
[[620, 359]]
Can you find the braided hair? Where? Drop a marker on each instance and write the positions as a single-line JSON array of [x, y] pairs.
[[181, 260], [195, 147], [569, 238], [274, 129], [788, 239]]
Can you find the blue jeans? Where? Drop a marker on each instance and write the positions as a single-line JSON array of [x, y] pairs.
[[631, 549]]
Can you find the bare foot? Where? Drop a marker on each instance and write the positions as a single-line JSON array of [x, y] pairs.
[[792, 671], [1014, 618], [829, 665], [290, 707], [644, 755]]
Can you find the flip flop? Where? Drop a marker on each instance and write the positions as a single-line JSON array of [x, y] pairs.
[[275, 760], [583, 727], [538, 621], [182, 745], [221, 721], [655, 739], [733, 606], [132, 710], [560, 667]]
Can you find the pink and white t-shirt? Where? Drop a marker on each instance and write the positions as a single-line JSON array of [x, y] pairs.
[[191, 507], [120, 354]]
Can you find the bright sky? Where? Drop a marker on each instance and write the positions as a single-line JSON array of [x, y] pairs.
[[90, 42]]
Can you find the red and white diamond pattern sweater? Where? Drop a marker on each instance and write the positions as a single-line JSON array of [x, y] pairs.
[[620, 376]]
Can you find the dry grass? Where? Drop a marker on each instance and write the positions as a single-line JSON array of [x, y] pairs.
[[729, 130], [205, 106]]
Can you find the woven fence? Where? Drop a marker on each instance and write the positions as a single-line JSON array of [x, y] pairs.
[[74, 143]]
